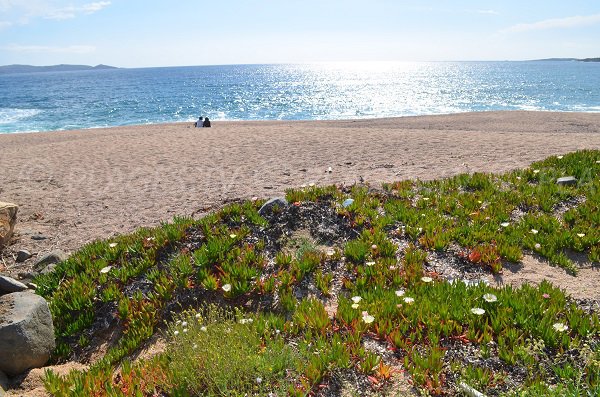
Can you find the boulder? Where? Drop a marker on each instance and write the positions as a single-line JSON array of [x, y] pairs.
[[8, 218], [26, 332], [8, 285], [268, 207], [55, 256]]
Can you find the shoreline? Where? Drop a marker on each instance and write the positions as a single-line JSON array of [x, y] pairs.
[[76, 186], [307, 120]]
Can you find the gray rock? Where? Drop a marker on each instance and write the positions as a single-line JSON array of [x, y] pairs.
[[23, 255], [39, 237], [26, 332], [566, 180], [48, 269], [55, 256], [8, 219], [268, 207], [9, 285]]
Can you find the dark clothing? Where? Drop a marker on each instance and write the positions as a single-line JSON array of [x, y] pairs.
[[206, 122]]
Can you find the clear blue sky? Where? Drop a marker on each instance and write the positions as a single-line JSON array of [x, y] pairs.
[[140, 33]]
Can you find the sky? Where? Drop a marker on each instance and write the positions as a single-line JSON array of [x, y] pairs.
[[148, 33]]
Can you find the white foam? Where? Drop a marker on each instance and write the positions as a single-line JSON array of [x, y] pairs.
[[10, 115]]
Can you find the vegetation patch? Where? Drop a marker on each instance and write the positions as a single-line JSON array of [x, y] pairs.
[[337, 292]]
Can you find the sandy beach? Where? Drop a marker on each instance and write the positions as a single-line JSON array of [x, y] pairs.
[[76, 186]]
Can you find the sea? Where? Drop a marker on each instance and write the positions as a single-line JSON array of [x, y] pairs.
[[53, 101]]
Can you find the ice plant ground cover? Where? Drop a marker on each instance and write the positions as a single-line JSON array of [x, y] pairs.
[[351, 312]]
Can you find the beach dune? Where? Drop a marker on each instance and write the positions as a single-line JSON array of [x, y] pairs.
[[76, 186]]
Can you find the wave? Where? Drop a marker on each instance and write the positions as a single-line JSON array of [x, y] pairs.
[[11, 115]]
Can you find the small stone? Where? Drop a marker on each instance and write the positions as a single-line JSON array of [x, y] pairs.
[[9, 285], [55, 256], [23, 255], [39, 237], [48, 269], [566, 180], [268, 207]]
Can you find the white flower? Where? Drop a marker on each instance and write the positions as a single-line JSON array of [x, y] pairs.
[[490, 298], [368, 319], [259, 380], [184, 330], [105, 269], [374, 247], [175, 333], [534, 231], [356, 299], [355, 305], [537, 246], [369, 263], [478, 311], [303, 185], [246, 321], [426, 279], [112, 245], [198, 315], [536, 171], [311, 184], [426, 198], [409, 300], [505, 224], [400, 293], [559, 157], [226, 287], [560, 327], [233, 235], [203, 329], [580, 235], [195, 346], [519, 178], [184, 324]]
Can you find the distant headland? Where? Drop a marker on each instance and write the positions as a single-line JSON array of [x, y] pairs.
[[569, 59], [54, 68]]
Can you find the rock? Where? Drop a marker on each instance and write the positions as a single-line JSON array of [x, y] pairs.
[[8, 219], [48, 269], [26, 332], [23, 255], [39, 237], [9, 285], [55, 256], [566, 180], [269, 207]]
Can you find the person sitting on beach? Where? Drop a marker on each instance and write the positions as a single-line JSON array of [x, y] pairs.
[[199, 123], [206, 122]]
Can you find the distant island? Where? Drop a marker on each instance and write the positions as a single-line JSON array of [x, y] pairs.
[[54, 68]]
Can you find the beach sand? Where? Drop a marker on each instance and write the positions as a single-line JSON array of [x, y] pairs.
[[76, 186]]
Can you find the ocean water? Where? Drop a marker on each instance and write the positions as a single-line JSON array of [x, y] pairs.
[[101, 98]]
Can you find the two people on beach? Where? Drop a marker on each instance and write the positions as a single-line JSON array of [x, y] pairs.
[[200, 123]]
